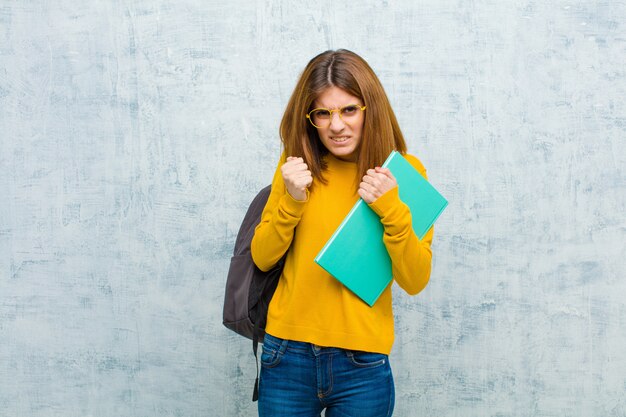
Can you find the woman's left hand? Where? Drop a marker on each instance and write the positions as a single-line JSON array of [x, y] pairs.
[[375, 183]]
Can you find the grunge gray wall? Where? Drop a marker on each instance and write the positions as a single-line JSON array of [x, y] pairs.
[[135, 133]]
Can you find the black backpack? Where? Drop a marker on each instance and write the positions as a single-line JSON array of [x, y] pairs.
[[248, 289]]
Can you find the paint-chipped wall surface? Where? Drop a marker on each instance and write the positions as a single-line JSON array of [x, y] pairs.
[[133, 135]]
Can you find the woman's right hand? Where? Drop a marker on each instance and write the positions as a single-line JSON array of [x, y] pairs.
[[297, 177]]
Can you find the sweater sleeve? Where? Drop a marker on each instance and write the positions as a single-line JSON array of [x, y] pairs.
[[281, 215], [410, 256]]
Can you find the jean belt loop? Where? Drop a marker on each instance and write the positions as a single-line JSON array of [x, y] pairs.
[[283, 345]]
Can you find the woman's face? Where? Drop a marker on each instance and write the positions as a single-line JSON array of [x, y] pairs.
[[341, 137]]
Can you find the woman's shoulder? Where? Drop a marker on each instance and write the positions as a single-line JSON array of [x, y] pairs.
[[417, 164]]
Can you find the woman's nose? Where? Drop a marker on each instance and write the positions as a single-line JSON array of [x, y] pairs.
[[336, 122]]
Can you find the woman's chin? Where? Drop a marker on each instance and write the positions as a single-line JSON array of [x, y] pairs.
[[344, 154]]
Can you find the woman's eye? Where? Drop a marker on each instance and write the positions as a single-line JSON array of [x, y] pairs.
[[349, 110], [321, 113]]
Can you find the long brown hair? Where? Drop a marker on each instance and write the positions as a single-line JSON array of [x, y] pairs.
[[346, 70]]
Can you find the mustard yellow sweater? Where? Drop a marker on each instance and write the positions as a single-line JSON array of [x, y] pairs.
[[309, 305]]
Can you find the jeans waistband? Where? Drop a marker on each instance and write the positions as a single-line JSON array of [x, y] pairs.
[[283, 345]]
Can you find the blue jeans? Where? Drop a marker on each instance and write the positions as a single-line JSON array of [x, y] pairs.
[[302, 379]]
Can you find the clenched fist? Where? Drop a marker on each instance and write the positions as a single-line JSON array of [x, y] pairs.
[[297, 177], [375, 183]]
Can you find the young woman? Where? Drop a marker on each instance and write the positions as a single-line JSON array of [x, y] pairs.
[[325, 348]]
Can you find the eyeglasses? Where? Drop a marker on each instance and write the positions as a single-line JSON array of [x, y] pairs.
[[320, 118]]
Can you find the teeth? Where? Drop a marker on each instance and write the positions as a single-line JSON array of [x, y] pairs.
[[340, 139]]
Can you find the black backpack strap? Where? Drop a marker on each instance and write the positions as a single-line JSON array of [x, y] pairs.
[[255, 346], [256, 330], [256, 336]]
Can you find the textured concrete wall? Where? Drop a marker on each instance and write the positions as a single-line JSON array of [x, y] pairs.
[[134, 134]]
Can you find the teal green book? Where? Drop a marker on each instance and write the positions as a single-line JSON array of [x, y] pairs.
[[356, 254]]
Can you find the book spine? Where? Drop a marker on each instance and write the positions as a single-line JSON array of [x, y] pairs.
[[389, 159]]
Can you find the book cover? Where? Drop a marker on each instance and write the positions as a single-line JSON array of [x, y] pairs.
[[356, 254]]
